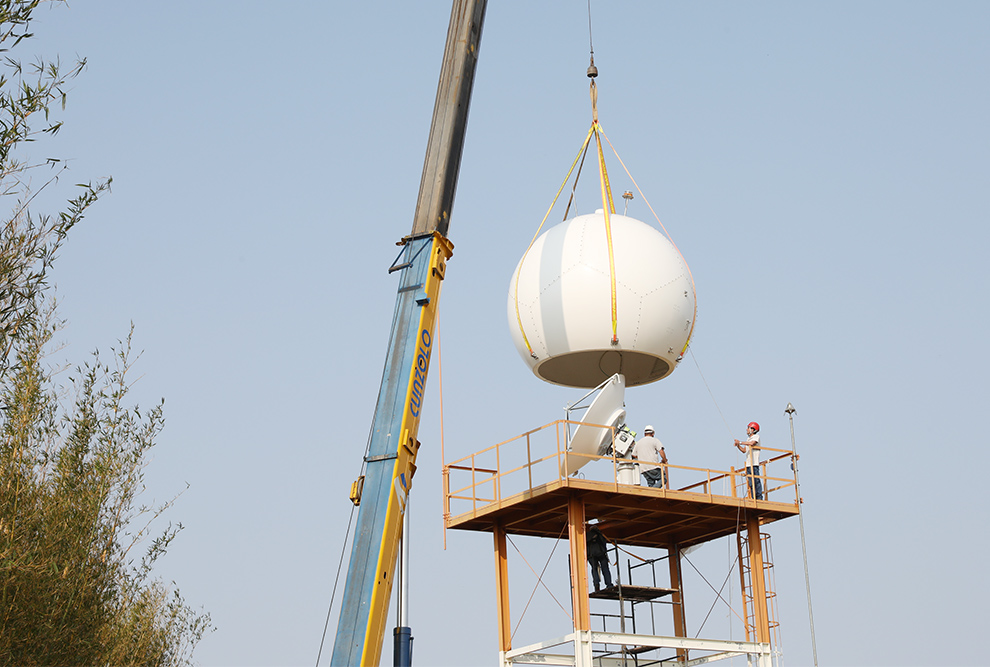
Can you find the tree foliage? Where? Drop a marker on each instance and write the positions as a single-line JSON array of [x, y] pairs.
[[75, 551]]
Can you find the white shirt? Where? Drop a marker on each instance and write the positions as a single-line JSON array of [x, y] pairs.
[[753, 453], [647, 451]]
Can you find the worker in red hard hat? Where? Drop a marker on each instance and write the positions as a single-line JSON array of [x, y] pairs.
[[751, 448]]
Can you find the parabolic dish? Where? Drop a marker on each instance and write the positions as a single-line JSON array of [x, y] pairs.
[[606, 412]]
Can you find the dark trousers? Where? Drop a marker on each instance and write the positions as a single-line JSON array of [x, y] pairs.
[[755, 483], [654, 477], [600, 563]]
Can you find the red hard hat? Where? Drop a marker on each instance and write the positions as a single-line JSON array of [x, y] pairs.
[[754, 426]]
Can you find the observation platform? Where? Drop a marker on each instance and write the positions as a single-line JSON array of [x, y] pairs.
[[520, 486]]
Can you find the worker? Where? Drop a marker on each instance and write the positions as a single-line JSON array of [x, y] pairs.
[[597, 547], [649, 452], [751, 448]]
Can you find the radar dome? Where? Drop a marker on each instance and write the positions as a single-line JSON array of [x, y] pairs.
[[562, 304]]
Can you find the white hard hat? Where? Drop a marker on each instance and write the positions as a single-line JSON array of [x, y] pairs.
[[648, 429]]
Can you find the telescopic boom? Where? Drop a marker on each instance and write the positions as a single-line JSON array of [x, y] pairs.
[[391, 458]]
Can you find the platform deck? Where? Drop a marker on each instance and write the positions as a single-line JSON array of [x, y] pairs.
[[632, 593], [631, 515]]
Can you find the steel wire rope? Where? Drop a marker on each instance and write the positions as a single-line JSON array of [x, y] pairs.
[[717, 407], [687, 347], [350, 519], [539, 581], [577, 177], [742, 575], [727, 490], [608, 207], [717, 598], [669, 237], [717, 592], [336, 580], [515, 294], [687, 344]]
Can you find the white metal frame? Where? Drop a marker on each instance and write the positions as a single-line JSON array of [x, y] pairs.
[[758, 654]]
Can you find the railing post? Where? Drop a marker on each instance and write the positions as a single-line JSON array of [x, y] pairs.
[[446, 496], [567, 469], [474, 487], [498, 473], [529, 461], [615, 471]]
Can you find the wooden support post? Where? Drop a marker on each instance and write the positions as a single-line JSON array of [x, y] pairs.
[[579, 569], [677, 598], [762, 617], [502, 584]]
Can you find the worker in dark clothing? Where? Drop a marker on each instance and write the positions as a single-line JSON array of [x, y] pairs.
[[597, 547]]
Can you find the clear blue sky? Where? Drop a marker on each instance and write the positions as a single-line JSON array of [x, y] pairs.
[[822, 166]]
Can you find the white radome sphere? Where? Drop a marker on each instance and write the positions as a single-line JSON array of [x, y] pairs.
[[564, 303]]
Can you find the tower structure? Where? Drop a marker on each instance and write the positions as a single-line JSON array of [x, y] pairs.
[[523, 487]]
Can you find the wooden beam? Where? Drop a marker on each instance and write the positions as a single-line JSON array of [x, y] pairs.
[[677, 599], [579, 570], [756, 576], [502, 590]]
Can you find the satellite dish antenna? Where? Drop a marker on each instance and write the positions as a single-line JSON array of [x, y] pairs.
[[605, 413]]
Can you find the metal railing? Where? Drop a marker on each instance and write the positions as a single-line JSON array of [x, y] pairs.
[[540, 456]]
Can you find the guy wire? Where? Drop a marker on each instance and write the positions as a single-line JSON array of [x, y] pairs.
[[336, 580], [695, 359]]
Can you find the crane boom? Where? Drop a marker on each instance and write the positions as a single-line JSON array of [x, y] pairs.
[[391, 458]]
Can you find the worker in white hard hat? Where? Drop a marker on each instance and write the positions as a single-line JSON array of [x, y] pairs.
[[649, 452], [597, 552]]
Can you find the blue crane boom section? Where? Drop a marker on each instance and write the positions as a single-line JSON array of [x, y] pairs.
[[390, 461], [391, 457]]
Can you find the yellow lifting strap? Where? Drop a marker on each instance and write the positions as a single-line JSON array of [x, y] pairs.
[[694, 318], [608, 207], [522, 329]]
